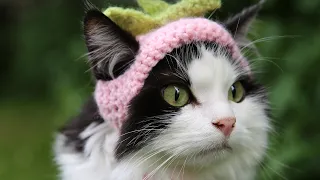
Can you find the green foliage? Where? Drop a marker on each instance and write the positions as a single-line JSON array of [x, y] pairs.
[[45, 80]]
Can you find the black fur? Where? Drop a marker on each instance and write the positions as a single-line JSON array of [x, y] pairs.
[[72, 130], [95, 22]]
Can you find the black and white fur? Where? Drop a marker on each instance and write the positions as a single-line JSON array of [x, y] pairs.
[[166, 142]]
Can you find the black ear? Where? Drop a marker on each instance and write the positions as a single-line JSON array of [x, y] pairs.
[[111, 49], [239, 24]]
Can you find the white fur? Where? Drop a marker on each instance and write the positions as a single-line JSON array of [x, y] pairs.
[[174, 154]]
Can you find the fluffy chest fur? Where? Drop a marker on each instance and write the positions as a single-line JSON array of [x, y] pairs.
[[200, 114]]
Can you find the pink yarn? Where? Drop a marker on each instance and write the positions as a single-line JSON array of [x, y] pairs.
[[113, 97]]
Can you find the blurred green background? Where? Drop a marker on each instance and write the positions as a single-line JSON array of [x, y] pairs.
[[44, 80]]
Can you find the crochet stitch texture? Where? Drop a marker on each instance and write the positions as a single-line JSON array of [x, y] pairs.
[[157, 13], [113, 97]]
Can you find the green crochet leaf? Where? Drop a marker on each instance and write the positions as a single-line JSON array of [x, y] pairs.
[[157, 13], [153, 7]]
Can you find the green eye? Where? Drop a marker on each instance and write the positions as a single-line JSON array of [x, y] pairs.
[[176, 95], [236, 92]]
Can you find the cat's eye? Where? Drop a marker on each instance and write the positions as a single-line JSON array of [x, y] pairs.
[[176, 95], [236, 92]]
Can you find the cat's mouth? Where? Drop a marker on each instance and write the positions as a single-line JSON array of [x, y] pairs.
[[217, 149]]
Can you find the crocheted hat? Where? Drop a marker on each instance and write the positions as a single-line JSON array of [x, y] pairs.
[[113, 97]]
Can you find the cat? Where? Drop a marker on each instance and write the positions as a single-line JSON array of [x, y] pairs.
[[200, 115]]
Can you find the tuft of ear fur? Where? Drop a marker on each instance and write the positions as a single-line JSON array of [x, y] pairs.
[[239, 24], [111, 49]]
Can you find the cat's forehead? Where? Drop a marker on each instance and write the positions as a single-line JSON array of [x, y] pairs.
[[212, 68]]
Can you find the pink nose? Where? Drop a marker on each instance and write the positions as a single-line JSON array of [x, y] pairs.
[[225, 125]]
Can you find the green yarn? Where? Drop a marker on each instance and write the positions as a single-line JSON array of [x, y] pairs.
[[153, 7], [156, 13], [133, 21]]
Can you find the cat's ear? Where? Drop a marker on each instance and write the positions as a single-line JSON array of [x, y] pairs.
[[239, 24], [111, 49]]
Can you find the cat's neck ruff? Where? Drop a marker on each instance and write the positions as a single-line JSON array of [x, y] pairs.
[[113, 97]]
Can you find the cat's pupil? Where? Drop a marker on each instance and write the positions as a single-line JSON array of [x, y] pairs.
[[234, 91], [176, 94]]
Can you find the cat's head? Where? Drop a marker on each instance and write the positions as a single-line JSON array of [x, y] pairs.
[[198, 98]]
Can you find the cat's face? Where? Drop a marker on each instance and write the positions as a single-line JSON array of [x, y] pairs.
[[198, 102], [185, 96]]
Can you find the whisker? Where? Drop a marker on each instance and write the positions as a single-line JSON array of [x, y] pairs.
[[265, 39]]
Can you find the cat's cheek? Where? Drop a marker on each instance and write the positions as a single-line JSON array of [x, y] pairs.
[[251, 130]]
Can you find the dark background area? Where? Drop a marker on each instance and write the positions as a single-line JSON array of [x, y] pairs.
[[44, 80]]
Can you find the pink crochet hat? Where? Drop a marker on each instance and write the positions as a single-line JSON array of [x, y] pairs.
[[113, 97]]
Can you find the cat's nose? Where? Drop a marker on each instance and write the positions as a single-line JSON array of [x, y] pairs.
[[225, 125]]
